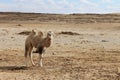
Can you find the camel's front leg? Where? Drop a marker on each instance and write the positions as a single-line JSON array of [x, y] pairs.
[[40, 60]]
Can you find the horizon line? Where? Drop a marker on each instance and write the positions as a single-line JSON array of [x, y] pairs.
[[54, 13]]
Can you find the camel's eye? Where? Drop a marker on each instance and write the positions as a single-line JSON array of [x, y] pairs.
[[49, 34]]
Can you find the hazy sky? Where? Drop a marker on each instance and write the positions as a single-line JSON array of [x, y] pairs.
[[61, 6]]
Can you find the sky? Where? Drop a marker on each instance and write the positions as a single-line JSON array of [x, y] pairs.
[[60, 6]]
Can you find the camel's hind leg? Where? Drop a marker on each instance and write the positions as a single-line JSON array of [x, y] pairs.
[[31, 56], [26, 55]]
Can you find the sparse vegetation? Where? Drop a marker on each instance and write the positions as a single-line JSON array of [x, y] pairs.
[[70, 18], [69, 33], [24, 33], [89, 51]]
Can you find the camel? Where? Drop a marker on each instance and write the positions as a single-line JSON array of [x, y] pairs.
[[39, 43]]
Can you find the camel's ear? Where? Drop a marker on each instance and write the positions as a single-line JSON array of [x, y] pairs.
[[52, 33]]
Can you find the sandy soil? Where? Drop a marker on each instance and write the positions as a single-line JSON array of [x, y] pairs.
[[94, 54]]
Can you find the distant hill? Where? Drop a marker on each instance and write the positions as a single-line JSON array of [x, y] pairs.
[[67, 18]]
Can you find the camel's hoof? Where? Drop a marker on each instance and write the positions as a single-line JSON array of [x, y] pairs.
[[33, 64], [40, 65]]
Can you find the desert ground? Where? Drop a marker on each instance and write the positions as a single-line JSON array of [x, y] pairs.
[[85, 47]]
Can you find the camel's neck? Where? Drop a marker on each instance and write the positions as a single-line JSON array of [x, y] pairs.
[[47, 42]]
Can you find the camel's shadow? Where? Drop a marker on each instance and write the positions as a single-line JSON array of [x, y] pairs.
[[13, 68]]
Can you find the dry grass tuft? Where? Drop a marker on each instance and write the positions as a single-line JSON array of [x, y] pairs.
[[69, 33], [19, 24], [24, 33]]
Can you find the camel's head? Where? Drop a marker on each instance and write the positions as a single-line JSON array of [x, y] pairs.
[[50, 34]]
